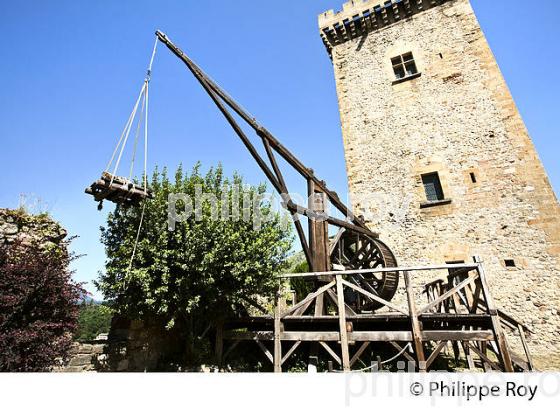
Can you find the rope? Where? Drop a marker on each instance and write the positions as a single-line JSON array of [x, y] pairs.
[[133, 115], [135, 244], [146, 142], [147, 82], [377, 364], [128, 127], [136, 135]]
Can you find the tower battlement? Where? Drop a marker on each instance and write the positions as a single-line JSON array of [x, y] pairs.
[[362, 16]]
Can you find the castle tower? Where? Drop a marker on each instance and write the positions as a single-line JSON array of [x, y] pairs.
[[439, 161]]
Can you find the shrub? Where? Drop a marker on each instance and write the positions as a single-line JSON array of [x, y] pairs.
[[38, 305]]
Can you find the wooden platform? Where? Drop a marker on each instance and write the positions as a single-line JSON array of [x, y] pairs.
[[117, 189], [458, 319]]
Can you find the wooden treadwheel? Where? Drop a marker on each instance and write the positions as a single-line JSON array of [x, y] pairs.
[[357, 251]]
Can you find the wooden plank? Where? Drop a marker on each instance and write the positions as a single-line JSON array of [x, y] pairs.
[[416, 329], [265, 351], [377, 270], [265, 335], [468, 355], [485, 359], [359, 353], [342, 325], [374, 297], [460, 335], [448, 294], [320, 305], [381, 336], [476, 298], [484, 350], [331, 352], [277, 337], [301, 310], [230, 349], [504, 355], [435, 353], [332, 296], [311, 336], [310, 297], [526, 348], [290, 351]]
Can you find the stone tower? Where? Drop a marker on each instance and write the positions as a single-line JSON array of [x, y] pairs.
[[439, 161]]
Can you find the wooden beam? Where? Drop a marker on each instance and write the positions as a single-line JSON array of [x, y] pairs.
[[310, 297], [374, 297], [448, 294], [342, 325], [332, 296], [277, 337], [311, 336], [359, 353], [504, 355], [331, 352], [376, 270], [265, 351], [435, 353], [485, 358], [230, 349], [256, 335], [460, 335], [468, 356], [380, 336], [415, 323], [292, 350], [526, 348]]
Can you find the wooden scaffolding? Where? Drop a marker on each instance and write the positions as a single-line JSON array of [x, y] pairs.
[[458, 319]]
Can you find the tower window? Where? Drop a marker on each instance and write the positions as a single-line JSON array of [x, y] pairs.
[[510, 263], [473, 177], [404, 66], [432, 186]]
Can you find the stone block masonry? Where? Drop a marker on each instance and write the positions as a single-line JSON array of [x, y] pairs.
[[452, 115]]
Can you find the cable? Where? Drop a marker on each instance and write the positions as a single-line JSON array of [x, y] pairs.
[[377, 364]]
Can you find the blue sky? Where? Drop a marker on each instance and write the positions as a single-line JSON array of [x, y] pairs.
[[71, 70]]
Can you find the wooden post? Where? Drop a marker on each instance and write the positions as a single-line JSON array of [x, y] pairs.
[[415, 323], [219, 342], [468, 356], [484, 351], [342, 325], [526, 347], [499, 335], [277, 336], [318, 229]]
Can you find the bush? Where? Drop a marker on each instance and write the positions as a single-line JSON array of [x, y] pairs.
[[38, 306]]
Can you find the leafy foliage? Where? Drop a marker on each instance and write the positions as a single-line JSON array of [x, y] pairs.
[[38, 306], [93, 320], [205, 269]]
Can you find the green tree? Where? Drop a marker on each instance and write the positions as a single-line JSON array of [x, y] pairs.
[[93, 320], [203, 271]]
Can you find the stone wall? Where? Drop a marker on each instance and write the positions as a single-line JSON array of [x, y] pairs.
[[17, 225], [131, 346], [86, 357], [457, 118]]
